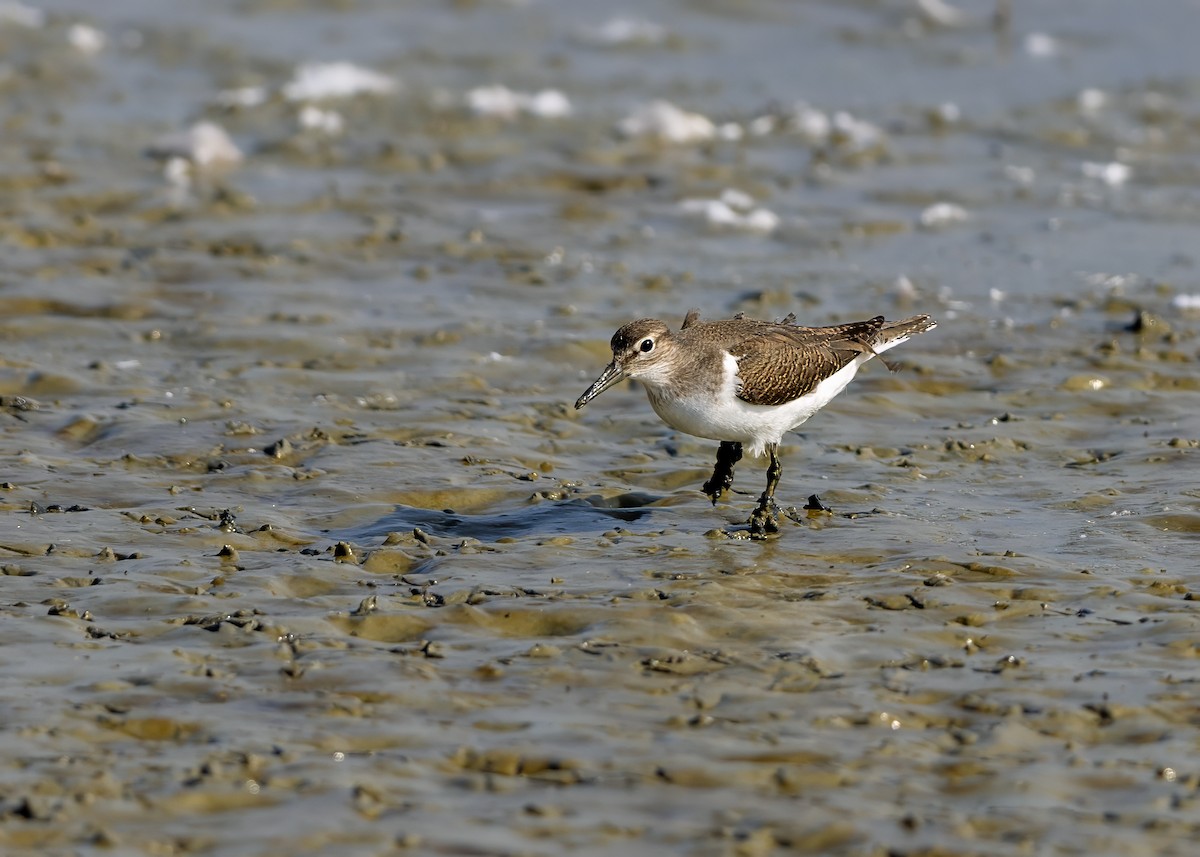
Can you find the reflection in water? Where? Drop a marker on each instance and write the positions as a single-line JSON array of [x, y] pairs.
[[572, 517]]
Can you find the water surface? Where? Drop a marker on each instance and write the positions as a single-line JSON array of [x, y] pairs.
[[305, 549]]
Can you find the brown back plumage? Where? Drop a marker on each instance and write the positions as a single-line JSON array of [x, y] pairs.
[[781, 361]]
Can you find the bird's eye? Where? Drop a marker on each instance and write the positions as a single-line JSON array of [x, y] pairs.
[[647, 345]]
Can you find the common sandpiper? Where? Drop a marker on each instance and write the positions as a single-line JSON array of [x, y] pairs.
[[744, 381]]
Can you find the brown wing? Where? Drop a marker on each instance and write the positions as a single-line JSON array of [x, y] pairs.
[[853, 330], [780, 363]]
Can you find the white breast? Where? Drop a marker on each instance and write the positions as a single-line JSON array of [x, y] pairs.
[[730, 418]]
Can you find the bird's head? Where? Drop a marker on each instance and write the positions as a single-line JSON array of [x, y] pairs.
[[641, 350]]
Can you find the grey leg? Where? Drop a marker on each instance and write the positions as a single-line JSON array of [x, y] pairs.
[[765, 518]]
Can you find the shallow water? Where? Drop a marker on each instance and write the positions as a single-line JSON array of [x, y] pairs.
[[306, 550]]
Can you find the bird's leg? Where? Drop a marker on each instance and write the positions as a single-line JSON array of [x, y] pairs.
[[765, 517], [728, 454]]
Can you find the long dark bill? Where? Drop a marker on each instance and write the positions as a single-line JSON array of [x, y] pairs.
[[611, 375]]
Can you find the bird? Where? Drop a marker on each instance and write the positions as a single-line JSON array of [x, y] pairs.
[[746, 382]]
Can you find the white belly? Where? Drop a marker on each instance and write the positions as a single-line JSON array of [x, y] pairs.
[[729, 418]]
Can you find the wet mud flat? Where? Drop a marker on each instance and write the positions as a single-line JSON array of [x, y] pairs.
[[305, 550]]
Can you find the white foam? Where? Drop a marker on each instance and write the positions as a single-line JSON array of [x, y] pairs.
[[948, 113], [904, 288], [664, 121], [811, 123], [943, 214], [730, 131], [178, 172], [737, 199], [504, 103], [204, 144], [1186, 302], [621, 32], [1042, 45], [317, 81], [312, 118], [1113, 174], [854, 133], [86, 39], [549, 103], [733, 210], [1024, 176], [1090, 100], [941, 13], [242, 96], [763, 125]]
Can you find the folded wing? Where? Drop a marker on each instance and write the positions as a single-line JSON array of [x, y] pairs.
[[798, 358]]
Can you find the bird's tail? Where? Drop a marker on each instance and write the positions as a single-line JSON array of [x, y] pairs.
[[894, 332]]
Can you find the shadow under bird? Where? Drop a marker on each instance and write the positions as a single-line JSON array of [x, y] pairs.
[[743, 381]]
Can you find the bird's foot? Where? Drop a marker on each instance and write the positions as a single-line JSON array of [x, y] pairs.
[[722, 481], [728, 454], [764, 520]]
